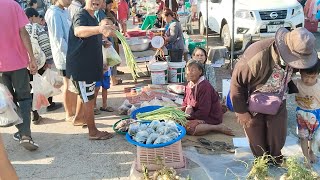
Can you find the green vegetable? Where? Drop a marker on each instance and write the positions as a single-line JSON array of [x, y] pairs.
[[131, 62], [165, 113], [297, 171]]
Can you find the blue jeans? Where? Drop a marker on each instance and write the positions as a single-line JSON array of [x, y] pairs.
[[17, 83]]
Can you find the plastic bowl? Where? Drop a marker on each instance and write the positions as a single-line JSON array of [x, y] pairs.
[[182, 132], [115, 125], [143, 110]]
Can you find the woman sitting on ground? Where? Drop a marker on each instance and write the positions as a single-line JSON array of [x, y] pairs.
[[202, 103], [199, 54]]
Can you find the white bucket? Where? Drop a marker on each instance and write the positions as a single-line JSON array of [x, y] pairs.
[[159, 72], [177, 71]]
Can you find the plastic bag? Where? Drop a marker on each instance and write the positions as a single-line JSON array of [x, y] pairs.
[[124, 125], [162, 139], [41, 89], [110, 56], [133, 129], [8, 110], [53, 78], [152, 137], [171, 127], [155, 102], [143, 127], [172, 135], [123, 109], [141, 136], [145, 103], [133, 108], [175, 88], [155, 124], [161, 129], [150, 130]]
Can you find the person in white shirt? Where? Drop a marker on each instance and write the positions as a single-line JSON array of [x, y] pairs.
[[74, 7]]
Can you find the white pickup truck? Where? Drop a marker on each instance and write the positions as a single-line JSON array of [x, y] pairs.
[[259, 18]]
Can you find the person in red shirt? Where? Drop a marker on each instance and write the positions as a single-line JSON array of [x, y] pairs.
[[123, 15], [201, 102]]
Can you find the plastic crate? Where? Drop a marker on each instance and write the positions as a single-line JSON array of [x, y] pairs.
[[196, 43], [171, 155]]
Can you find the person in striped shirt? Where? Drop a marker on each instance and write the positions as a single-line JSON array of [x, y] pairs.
[[44, 43]]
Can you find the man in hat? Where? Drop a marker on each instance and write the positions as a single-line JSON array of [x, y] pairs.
[[262, 68]]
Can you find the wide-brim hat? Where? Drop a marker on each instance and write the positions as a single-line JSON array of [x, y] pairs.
[[297, 48]]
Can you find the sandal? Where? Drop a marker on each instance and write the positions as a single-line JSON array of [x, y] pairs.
[[28, 143], [101, 136], [108, 109]]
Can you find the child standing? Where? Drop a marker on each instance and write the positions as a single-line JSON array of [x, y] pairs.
[[308, 110], [105, 83], [123, 15]]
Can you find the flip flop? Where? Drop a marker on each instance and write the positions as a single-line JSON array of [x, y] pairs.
[[108, 109], [105, 137]]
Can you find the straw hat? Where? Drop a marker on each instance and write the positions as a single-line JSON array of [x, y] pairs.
[[297, 48]]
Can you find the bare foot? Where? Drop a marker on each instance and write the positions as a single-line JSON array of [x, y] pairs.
[[226, 130], [313, 157]]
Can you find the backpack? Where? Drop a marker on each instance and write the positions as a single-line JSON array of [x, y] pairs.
[[37, 51]]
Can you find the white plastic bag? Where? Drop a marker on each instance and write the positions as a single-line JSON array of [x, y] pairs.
[[53, 78], [41, 89], [8, 110], [110, 56]]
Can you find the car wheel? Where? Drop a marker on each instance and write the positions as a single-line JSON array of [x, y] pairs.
[[202, 28], [226, 36]]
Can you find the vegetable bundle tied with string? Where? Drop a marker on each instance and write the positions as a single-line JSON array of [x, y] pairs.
[[131, 62], [165, 113]]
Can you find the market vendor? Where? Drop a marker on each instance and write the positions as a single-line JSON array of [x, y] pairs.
[[173, 36], [199, 54], [202, 103]]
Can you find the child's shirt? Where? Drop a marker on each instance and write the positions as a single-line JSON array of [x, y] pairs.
[[308, 96], [123, 10]]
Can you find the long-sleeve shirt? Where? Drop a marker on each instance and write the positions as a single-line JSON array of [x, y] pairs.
[[58, 28], [43, 40], [205, 103], [175, 35], [251, 72]]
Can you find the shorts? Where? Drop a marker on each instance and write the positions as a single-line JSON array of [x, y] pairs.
[[308, 122], [63, 73], [105, 83], [192, 125], [85, 90]]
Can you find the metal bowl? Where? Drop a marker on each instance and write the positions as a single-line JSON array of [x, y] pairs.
[[138, 44]]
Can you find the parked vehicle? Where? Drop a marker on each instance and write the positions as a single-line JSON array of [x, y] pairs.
[[259, 18]]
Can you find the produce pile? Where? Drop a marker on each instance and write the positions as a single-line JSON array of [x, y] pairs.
[[123, 125], [131, 62], [154, 133], [165, 113]]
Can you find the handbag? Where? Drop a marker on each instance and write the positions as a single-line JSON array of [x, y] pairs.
[[266, 102]]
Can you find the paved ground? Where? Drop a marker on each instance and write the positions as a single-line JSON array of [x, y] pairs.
[[65, 151]]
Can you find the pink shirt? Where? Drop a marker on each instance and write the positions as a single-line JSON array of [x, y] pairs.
[[13, 54], [123, 10]]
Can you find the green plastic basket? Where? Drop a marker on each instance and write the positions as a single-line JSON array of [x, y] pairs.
[[115, 125], [193, 45]]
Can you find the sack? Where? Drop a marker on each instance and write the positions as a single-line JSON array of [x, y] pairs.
[[37, 51], [41, 89], [110, 56], [8, 110], [264, 103]]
